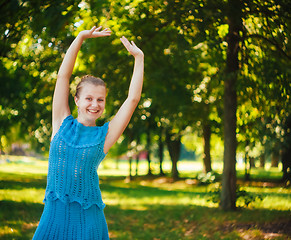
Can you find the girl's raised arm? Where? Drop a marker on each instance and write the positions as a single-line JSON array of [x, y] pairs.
[[61, 94], [120, 121]]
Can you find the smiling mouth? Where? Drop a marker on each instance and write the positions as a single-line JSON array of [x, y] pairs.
[[93, 111]]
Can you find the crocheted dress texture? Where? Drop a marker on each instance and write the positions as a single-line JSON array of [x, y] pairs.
[[73, 202]]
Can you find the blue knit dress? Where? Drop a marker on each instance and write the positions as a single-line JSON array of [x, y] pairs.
[[73, 203]]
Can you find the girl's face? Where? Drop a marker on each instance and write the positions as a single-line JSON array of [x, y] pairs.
[[91, 103]]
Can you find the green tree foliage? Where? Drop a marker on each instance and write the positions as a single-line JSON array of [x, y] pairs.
[[167, 63], [185, 45], [265, 82], [30, 51], [263, 40]]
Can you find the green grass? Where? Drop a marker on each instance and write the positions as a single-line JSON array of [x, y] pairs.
[[150, 207]]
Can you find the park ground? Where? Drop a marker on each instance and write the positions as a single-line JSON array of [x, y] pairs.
[[153, 207]]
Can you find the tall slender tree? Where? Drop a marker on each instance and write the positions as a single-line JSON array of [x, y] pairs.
[[228, 193]]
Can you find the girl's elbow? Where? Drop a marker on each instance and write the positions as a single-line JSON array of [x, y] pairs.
[[134, 100]]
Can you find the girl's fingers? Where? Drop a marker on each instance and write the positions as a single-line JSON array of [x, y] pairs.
[[93, 29], [125, 41], [131, 47]]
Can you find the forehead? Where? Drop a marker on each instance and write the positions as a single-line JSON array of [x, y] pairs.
[[94, 90]]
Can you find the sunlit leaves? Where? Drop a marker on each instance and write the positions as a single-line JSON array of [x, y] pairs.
[[185, 48], [30, 55]]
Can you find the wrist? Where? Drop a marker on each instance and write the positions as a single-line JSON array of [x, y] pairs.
[[139, 57], [81, 36]]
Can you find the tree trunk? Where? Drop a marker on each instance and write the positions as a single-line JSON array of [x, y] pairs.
[[136, 164], [1, 147], [206, 145], [262, 160], [130, 169], [228, 193], [161, 152], [247, 168], [137, 156], [130, 153], [174, 147], [149, 152], [252, 162], [275, 159], [286, 165], [286, 153], [117, 163]]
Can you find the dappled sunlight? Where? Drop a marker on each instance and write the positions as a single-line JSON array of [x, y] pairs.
[[208, 127], [8, 231], [25, 195], [24, 167], [270, 202], [145, 203], [163, 208]]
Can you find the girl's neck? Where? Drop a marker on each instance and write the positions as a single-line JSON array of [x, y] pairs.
[[86, 122]]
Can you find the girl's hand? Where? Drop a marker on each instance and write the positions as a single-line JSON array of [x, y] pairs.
[[95, 32], [131, 47]]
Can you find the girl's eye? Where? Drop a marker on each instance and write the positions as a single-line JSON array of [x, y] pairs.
[[88, 98], [100, 100]]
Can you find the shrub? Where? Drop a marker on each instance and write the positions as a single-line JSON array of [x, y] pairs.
[[243, 198], [206, 178]]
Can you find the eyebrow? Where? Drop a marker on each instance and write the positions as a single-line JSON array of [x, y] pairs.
[[89, 95]]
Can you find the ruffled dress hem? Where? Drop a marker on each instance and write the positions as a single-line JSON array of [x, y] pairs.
[[85, 204]]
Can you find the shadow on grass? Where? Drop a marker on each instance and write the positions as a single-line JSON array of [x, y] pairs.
[[17, 181], [158, 221], [193, 222], [261, 175], [135, 190], [148, 191], [19, 219], [150, 221]]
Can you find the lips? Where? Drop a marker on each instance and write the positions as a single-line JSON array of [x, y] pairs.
[[92, 111]]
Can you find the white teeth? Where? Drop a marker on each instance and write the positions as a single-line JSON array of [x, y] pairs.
[[92, 111]]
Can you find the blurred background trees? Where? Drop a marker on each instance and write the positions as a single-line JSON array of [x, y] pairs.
[[213, 70]]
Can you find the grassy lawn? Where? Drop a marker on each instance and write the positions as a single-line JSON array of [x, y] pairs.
[[150, 207]]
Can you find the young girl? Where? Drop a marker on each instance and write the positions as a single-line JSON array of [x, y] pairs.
[[73, 204]]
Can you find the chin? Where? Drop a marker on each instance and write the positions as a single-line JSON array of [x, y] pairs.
[[94, 115]]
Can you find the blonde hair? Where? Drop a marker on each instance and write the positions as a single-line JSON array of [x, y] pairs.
[[89, 79]]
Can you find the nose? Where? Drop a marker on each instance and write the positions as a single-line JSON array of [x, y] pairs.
[[95, 103]]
